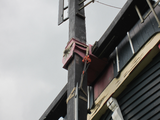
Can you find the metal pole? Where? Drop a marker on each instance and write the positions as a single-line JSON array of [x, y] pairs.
[[139, 14], [117, 59], [76, 108], [88, 103], [130, 42], [76, 102]]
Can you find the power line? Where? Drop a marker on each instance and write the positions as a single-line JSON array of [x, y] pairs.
[[108, 5]]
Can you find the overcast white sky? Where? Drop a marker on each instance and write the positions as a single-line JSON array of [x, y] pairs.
[[31, 50]]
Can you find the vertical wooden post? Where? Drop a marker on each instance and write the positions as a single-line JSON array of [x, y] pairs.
[[77, 30]]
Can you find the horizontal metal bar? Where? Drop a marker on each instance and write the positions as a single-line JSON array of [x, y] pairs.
[[65, 19], [86, 5], [82, 2], [65, 8]]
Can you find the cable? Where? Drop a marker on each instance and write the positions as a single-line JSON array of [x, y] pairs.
[[108, 5]]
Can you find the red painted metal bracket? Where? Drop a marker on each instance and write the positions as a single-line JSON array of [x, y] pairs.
[[73, 46], [95, 68], [96, 65]]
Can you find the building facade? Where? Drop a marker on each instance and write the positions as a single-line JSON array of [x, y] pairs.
[[127, 85]]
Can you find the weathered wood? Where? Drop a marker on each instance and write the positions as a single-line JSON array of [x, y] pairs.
[[74, 74], [77, 31]]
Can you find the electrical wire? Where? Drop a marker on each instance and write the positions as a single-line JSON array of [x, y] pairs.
[[108, 5]]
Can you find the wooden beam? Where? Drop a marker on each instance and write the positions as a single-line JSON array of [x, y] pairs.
[[77, 30], [74, 75]]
